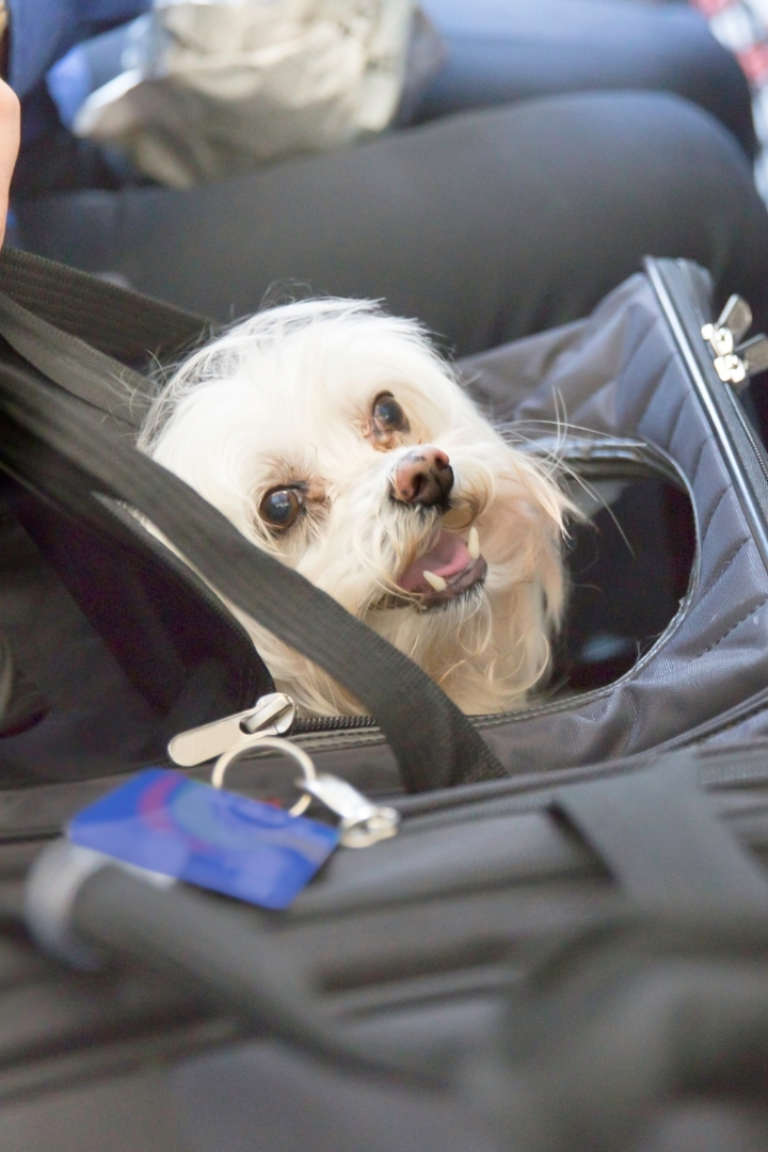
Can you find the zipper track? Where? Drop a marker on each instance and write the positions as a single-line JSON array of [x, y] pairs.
[[320, 724], [747, 463], [760, 455]]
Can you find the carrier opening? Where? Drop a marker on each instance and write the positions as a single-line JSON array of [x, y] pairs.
[[630, 568]]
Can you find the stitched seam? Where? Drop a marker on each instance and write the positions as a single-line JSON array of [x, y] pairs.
[[742, 718], [630, 355], [733, 627], [705, 527], [699, 458], [725, 566], [663, 369]]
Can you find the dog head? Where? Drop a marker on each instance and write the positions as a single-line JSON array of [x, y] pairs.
[[333, 437]]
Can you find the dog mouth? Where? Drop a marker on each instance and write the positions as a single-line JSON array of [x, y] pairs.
[[449, 569]]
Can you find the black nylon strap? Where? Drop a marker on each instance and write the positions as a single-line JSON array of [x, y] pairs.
[[435, 744], [111, 388], [117, 321], [83, 333], [659, 836]]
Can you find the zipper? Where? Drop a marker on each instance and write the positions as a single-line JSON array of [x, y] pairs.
[[312, 726], [750, 363], [272, 715], [266, 726], [364, 823]]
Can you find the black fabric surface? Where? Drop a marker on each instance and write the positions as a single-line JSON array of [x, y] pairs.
[[499, 52], [662, 841], [486, 226]]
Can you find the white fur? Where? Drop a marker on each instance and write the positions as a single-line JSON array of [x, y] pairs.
[[286, 397]]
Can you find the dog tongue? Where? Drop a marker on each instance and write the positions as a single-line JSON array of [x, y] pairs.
[[446, 558]]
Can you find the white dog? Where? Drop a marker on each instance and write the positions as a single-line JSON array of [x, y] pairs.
[[334, 437]]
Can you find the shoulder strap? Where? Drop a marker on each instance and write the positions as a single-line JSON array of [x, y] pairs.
[[435, 744], [84, 333], [119, 322]]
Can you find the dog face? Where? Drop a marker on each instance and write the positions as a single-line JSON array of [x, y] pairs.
[[333, 437]]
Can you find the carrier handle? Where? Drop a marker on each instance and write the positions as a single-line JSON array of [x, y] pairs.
[[83, 333]]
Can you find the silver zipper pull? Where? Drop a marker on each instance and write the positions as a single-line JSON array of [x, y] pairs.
[[730, 328], [731, 369], [272, 715], [736, 362], [754, 354]]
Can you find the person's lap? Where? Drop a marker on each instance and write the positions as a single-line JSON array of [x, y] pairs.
[[500, 51], [487, 225]]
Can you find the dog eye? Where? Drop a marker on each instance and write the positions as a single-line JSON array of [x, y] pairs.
[[281, 507], [388, 416]]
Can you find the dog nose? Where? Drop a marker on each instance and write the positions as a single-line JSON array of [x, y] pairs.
[[423, 476]]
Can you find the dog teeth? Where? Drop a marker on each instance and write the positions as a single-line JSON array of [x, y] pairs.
[[473, 543], [435, 581]]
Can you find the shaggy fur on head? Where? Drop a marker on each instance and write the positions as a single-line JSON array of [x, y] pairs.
[[334, 437]]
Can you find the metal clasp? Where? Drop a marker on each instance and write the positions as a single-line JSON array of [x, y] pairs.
[[362, 823]]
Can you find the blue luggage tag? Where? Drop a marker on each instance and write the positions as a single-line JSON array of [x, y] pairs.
[[163, 822]]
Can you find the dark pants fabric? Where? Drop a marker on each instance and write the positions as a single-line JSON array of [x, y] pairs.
[[500, 51], [485, 224]]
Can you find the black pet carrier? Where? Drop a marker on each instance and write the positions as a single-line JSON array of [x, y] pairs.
[[556, 933]]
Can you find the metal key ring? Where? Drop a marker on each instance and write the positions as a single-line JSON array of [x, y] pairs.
[[292, 751]]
